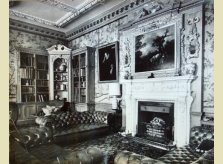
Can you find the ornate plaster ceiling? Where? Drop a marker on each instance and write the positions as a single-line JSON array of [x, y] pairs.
[[54, 13]]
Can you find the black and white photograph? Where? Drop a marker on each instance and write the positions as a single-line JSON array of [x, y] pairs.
[[111, 82], [107, 62], [155, 50]]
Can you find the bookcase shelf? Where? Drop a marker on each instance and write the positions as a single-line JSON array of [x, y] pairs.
[[33, 77], [59, 72], [83, 76]]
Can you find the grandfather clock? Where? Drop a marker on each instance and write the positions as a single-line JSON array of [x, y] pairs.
[[60, 72]]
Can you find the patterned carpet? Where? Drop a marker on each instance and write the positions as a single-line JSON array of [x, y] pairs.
[[116, 142]]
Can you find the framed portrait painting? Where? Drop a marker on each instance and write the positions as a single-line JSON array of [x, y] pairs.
[[108, 62], [155, 50]]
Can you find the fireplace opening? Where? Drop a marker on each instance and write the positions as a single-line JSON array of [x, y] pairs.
[[156, 121]]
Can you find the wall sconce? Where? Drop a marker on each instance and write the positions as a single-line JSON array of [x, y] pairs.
[[114, 92]]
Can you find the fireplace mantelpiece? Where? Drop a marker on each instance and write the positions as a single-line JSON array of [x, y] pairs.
[[175, 89]]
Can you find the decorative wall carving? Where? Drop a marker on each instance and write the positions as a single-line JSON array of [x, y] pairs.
[[189, 69], [192, 39]]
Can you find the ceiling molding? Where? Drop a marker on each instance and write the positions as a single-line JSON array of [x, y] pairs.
[[123, 10], [34, 29], [118, 12], [80, 11], [111, 15], [32, 18], [59, 5], [70, 16]]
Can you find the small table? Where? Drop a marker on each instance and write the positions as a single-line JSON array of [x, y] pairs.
[[115, 121]]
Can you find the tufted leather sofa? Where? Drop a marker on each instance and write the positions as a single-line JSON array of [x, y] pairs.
[[188, 153], [70, 127], [65, 128], [39, 144]]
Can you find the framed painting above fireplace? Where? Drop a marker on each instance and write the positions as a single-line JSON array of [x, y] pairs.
[[155, 50]]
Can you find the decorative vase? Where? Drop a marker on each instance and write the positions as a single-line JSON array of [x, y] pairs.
[[62, 66]]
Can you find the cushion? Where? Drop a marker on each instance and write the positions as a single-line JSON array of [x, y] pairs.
[[50, 109], [205, 145]]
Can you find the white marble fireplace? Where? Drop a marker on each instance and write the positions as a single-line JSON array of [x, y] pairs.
[[176, 90]]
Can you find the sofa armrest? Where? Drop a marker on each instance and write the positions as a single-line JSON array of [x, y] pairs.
[[199, 133], [207, 158]]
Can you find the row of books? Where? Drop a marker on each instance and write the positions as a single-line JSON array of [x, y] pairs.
[[27, 82], [42, 83], [76, 94], [28, 98], [26, 60], [42, 97], [42, 66], [42, 89], [75, 62], [41, 75], [82, 62], [41, 59], [27, 73], [27, 89]]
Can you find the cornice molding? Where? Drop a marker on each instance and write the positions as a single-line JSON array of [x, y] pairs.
[[79, 12], [59, 5], [125, 9], [34, 29], [111, 15], [32, 18]]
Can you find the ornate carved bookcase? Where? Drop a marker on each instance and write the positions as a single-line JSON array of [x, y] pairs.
[[60, 72], [83, 78]]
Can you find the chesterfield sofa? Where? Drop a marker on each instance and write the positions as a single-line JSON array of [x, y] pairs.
[[63, 128], [42, 143], [200, 150]]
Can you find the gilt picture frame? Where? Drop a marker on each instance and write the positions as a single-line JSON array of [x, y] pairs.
[[108, 63], [155, 51]]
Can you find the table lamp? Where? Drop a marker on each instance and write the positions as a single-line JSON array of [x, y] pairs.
[[114, 92]]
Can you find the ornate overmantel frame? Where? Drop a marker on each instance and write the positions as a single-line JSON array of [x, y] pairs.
[[143, 26]]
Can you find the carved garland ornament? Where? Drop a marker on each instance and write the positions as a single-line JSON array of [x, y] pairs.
[[192, 39]]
